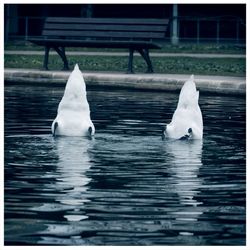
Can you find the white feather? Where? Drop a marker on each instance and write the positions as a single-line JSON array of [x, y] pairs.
[[187, 114], [73, 113]]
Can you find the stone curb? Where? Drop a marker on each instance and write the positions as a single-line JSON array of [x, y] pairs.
[[153, 82]]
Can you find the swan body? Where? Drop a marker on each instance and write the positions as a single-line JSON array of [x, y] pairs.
[[73, 113], [187, 122]]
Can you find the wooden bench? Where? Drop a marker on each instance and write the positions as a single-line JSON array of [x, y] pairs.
[[133, 34]]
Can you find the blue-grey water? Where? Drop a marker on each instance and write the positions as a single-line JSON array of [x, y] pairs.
[[125, 186]]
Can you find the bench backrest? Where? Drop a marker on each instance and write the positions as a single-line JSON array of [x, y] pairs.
[[104, 28]]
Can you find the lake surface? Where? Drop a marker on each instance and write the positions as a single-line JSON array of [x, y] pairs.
[[125, 186]]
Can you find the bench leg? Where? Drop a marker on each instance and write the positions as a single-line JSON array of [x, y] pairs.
[[145, 54], [130, 61], [46, 58], [61, 53]]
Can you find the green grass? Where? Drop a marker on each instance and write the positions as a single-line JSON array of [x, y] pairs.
[[171, 65]]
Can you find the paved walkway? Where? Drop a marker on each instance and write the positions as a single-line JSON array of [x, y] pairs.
[[156, 82], [104, 53]]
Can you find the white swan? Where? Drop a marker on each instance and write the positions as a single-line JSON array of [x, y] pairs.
[[73, 114], [187, 120]]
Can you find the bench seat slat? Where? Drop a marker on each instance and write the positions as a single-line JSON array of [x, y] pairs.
[[103, 27], [132, 21], [99, 34], [94, 44]]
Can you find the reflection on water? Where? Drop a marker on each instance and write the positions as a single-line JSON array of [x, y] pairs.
[[185, 162], [73, 162], [126, 186], [70, 176]]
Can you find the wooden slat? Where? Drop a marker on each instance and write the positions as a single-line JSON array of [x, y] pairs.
[[95, 44], [99, 34], [108, 20], [99, 27]]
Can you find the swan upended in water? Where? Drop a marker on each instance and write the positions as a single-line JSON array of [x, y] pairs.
[[187, 120], [73, 113]]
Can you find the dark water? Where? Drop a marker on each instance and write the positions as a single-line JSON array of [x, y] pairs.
[[126, 186]]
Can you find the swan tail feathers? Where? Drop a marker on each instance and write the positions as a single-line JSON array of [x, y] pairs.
[[76, 67]]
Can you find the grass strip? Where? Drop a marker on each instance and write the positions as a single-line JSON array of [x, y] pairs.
[[171, 65]]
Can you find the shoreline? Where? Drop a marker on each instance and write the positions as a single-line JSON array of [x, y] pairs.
[[152, 82]]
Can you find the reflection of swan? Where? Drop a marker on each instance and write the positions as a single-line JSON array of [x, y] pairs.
[[187, 119], [69, 185], [73, 114], [69, 189], [185, 162], [72, 166]]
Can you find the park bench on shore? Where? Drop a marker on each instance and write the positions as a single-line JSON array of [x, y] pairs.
[[133, 34]]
